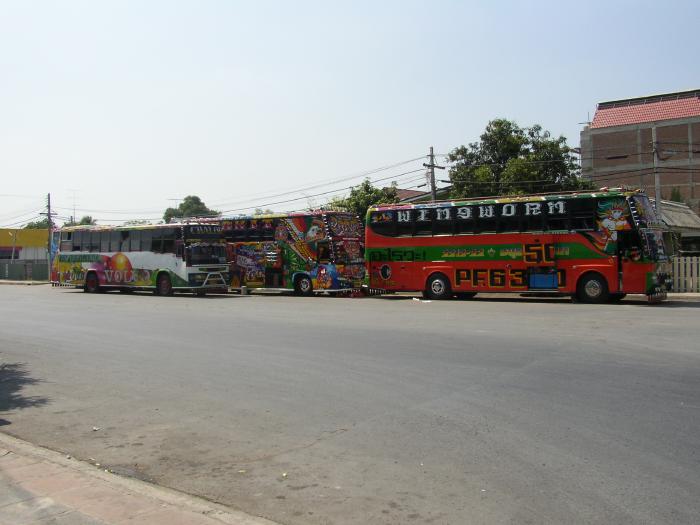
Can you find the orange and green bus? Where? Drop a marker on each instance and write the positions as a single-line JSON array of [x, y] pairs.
[[596, 246], [304, 252]]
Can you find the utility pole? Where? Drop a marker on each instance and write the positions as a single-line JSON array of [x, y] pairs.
[[49, 239], [657, 180], [432, 166]]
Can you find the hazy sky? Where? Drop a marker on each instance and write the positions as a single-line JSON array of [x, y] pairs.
[[122, 106]]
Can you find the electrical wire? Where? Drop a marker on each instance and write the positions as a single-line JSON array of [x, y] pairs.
[[317, 194], [322, 184]]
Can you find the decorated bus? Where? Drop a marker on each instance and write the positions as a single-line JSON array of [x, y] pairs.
[[595, 246], [319, 251], [163, 258]]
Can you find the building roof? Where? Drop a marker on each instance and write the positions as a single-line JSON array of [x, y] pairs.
[[647, 109], [409, 194], [680, 218]]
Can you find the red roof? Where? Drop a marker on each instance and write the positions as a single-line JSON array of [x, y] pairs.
[[636, 111], [408, 194]]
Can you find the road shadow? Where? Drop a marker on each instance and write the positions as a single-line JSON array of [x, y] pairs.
[[13, 378]]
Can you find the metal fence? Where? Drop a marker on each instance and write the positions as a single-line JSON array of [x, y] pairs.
[[24, 270], [686, 274]]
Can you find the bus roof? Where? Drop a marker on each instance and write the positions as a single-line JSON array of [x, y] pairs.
[[602, 192], [313, 213], [110, 227]]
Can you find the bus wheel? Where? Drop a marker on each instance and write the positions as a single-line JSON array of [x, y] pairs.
[[465, 295], [92, 283], [438, 287], [592, 288], [303, 285], [163, 285], [617, 297]]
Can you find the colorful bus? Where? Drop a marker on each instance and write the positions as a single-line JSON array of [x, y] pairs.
[[163, 258], [319, 251], [595, 246]]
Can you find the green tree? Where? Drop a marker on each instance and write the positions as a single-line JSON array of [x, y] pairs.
[[363, 196], [509, 159], [85, 220], [676, 194], [191, 206], [41, 224]]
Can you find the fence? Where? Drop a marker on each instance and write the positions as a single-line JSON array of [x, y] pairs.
[[24, 270], [686, 274]]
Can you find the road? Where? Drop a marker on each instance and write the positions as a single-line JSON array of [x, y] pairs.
[[377, 410]]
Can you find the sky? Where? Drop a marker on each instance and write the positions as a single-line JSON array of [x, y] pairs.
[[120, 109]]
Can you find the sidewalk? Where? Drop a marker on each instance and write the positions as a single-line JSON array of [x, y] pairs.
[[42, 487]]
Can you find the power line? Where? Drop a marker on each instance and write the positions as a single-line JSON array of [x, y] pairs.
[[317, 194], [321, 184]]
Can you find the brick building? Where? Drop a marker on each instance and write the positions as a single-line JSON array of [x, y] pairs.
[[617, 147]]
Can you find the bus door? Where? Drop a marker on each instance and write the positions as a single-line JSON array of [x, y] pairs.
[[539, 256], [274, 275]]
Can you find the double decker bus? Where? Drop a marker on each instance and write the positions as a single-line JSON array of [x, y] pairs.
[[320, 251], [595, 246], [164, 258]]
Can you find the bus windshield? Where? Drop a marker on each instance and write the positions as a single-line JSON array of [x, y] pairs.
[[348, 252], [205, 254]]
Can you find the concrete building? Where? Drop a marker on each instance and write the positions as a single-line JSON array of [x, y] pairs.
[[23, 254], [618, 147]]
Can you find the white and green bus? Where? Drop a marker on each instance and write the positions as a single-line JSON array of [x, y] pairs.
[[165, 258]]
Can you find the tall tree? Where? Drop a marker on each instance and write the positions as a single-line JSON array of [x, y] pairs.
[[363, 196], [509, 159], [85, 220], [191, 206], [41, 224]]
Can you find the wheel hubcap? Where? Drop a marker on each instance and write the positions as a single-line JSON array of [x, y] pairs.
[[304, 285], [593, 289], [437, 287]]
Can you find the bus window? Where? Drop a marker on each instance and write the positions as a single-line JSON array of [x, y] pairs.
[[323, 252], [383, 222], [114, 241], [125, 241], [157, 241], [146, 240], [77, 241], [168, 240], [104, 241], [66, 242], [135, 241], [94, 242]]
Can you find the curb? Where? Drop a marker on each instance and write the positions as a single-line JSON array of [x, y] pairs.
[[24, 283], [195, 504]]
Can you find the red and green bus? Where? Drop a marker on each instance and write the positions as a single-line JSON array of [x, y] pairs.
[[596, 246], [161, 257], [305, 252]]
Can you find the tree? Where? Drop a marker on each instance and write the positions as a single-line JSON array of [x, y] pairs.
[[85, 220], [191, 206], [363, 196], [41, 224], [509, 159]]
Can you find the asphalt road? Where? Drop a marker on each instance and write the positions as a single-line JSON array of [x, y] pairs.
[[378, 410]]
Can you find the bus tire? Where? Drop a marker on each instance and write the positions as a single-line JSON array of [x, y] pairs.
[[592, 288], [92, 283], [164, 285], [465, 295], [438, 287], [303, 286]]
